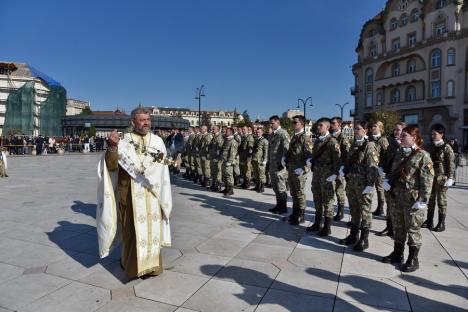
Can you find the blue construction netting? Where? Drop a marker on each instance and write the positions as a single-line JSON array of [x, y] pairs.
[[49, 80]]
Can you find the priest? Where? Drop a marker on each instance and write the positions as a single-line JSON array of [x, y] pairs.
[[3, 164], [134, 198]]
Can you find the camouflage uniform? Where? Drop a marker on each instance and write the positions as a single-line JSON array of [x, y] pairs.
[[245, 158], [381, 143], [362, 169], [259, 160], [216, 148], [443, 158], [340, 181], [196, 157], [204, 152], [190, 155], [228, 156], [237, 172], [325, 163], [411, 180], [277, 149], [300, 149]]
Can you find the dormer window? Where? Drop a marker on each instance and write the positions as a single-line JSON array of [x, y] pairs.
[[440, 4], [393, 23], [404, 20], [414, 16]]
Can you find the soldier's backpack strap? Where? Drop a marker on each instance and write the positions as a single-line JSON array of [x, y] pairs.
[[399, 171]]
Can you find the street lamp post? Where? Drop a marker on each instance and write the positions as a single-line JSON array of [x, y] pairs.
[[304, 102], [200, 93], [342, 106]]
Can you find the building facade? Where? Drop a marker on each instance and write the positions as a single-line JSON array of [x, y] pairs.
[[413, 58], [76, 107], [218, 118]]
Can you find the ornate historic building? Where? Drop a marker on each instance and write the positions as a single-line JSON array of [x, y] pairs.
[[220, 118], [413, 58]]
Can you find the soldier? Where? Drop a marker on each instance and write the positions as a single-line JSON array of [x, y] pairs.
[[300, 149], [410, 181], [277, 149], [187, 153], [191, 153], [238, 137], [267, 171], [389, 156], [194, 152], [245, 156], [228, 157], [381, 142], [443, 157], [204, 151], [216, 147], [259, 160], [3, 164], [325, 163], [361, 168], [335, 126]]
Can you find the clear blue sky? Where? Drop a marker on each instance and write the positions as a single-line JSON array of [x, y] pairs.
[[258, 55]]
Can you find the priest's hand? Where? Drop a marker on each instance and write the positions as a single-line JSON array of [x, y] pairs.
[[113, 138]]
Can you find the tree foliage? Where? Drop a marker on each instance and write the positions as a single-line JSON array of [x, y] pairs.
[[388, 117]]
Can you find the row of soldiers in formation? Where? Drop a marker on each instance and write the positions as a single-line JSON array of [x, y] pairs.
[[406, 175]]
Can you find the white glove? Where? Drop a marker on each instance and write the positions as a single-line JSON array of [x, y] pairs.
[[342, 171], [309, 162], [449, 183], [298, 171], [228, 164], [419, 205], [386, 185], [203, 158], [332, 178], [381, 172], [283, 161], [264, 163], [368, 190]]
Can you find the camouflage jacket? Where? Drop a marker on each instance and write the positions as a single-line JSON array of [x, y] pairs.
[[260, 150], [413, 173], [362, 162], [277, 148], [381, 143], [196, 144], [443, 159], [246, 147], [344, 144], [189, 143], [216, 146], [326, 156], [390, 154], [300, 149], [229, 150], [204, 145]]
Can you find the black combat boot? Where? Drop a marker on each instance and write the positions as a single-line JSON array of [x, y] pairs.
[[280, 208], [363, 242], [261, 188], [229, 191], [255, 188], [326, 230], [388, 231], [412, 263], [441, 224], [429, 223], [207, 182], [317, 226], [352, 238], [213, 186], [379, 210], [339, 213], [396, 257], [237, 180], [218, 187], [349, 224], [293, 217]]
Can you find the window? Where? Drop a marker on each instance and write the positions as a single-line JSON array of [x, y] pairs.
[[411, 94], [414, 16], [403, 19], [412, 40], [411, 119], [435, 58], [379, 98], [435, 89], [372, 50], [450, 88], [451, 57], [396, 44], [395, 70], [372, 33], [439, 29], [395, 96], [440, 4], [393, 23], [369, 75], [369, 99], [411, 67]]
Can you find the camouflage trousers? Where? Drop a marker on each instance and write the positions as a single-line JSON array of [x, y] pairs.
[[246, 169], [205, 166], [278, 183], [191, 162], [360, 205], [439, 196], [323, 193], [297, 190], [228, 174], [379, 189], [390, 201], [406, 221], [198, 167], [216, 170], [237, 171], [258, 170], [340, 184]]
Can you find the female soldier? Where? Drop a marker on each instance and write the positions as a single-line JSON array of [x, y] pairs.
[[410, 181]]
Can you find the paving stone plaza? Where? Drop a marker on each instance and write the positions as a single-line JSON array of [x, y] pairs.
[[228, 254]]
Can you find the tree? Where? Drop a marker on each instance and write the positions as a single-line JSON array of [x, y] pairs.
[[86, 111], [388, 117], [92, 131], [287, 125]]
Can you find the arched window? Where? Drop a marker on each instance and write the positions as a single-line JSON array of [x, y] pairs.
[[403, 19], [450, 88], [451, 56], [435, 58], [411, 94], [395, 70], [414, 16], [395, 96], [372, 49], [393, 23], [379, 98], [440, 4], [411, 66], [369, 75]]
